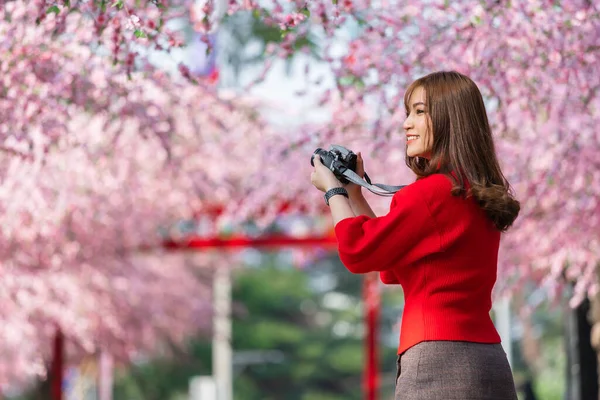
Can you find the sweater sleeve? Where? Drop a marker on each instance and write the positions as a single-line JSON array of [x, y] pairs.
[[404, 235]]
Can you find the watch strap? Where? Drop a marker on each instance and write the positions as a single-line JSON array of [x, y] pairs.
[[333, 192]]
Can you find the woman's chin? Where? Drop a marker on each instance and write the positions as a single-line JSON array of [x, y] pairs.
[[412, 153]]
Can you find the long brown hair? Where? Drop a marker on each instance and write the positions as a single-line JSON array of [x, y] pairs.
[[462, 146]]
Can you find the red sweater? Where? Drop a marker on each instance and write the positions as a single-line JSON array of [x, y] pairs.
[[442, 249]]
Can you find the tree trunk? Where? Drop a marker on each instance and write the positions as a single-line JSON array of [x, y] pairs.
[[594, 319], [57, 366], [582, 356], [588, 362]]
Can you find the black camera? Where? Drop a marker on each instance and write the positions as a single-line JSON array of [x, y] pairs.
[[338, 159]]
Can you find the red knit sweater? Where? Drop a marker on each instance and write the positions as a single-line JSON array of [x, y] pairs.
[[442, 249]]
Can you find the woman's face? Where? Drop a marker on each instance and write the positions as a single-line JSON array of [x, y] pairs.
[[417, 126]]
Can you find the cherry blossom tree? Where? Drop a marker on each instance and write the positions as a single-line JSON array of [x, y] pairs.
[[81, 228], [99, 163]]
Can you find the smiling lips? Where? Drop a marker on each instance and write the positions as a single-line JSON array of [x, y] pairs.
[[410, 138]]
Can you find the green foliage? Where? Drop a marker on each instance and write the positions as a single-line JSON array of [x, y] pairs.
[[548, 375], [53, 9], [550, 383], [313, 360]]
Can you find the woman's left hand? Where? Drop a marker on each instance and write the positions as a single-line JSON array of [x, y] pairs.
[[322, 178]]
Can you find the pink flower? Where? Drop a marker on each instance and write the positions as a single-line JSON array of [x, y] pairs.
[[132, 23]]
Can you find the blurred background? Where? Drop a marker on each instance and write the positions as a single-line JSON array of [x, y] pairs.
[[160, 236]]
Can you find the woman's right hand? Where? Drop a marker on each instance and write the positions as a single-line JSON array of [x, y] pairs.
[[353, 189]]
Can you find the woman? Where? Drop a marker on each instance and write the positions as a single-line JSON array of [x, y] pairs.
[[439, 241]]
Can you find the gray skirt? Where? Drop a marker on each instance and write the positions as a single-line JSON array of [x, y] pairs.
[[446, 370]]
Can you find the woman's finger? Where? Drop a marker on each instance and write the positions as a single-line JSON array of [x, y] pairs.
[[360, 169], [317, 161], [319, 164]]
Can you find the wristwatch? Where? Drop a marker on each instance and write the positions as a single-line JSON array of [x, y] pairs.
[[332, 192]]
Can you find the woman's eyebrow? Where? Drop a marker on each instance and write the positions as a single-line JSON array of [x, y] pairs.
[[418, 104]]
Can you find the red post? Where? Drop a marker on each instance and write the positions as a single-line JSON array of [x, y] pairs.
[[371, 300], [57, 366]]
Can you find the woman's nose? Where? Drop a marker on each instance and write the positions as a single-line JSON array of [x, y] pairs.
[[407, 124]]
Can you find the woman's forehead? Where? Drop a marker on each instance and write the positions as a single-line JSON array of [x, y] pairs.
[[417, 95]]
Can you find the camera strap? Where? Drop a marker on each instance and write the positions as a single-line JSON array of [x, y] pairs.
[[379, 189]]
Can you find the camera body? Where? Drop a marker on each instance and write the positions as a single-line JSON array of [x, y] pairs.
[[337, 159]]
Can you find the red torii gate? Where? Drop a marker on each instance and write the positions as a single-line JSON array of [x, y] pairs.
[[370, 294], [370, 291]]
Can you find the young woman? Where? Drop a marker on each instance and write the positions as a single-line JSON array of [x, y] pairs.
[[439, 241]]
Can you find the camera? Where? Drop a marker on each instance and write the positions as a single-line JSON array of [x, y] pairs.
[[342, 162], [338, 159]]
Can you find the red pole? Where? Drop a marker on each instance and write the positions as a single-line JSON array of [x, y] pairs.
[[57, 366], [238, 241], [371, 304]]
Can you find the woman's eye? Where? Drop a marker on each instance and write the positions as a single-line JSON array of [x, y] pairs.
[[420, 112]]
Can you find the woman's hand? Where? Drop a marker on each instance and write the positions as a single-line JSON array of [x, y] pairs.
[[322, 178]]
